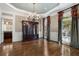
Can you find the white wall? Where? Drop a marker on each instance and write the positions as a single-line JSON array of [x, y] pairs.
[[17, 36], [41, 28], [54, 28]]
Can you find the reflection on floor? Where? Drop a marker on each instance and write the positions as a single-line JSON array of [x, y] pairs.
[[37, 48]]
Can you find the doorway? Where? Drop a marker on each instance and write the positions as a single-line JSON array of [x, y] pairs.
[[30, 30], [7, 28], [66, 28]]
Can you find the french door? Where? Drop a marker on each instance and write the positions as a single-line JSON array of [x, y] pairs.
[[66, 28]]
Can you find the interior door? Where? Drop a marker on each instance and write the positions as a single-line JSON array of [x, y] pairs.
[[29, 29]]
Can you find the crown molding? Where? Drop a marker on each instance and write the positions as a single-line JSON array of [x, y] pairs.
[[53, 11]]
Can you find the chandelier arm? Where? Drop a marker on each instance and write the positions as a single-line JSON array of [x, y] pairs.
[[34, 16]]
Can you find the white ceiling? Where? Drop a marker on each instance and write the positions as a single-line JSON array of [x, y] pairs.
[[40, 8], [44, 9]]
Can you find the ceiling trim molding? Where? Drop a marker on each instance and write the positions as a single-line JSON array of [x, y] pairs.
[[18, 9], [60, 8], [26, 11], [56, 9]]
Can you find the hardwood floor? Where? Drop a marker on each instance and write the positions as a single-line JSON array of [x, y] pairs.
[[37, 48]]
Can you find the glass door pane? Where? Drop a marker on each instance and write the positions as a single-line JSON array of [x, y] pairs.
[[66, 28]]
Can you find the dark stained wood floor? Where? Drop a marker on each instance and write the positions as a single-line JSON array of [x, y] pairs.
[[37, 48]]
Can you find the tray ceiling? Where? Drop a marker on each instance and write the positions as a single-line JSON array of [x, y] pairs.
[[40, 8]]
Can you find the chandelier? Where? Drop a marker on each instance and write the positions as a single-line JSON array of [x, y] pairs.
[[34, 16]]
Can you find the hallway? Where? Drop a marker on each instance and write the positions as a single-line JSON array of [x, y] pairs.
[[37, 48]]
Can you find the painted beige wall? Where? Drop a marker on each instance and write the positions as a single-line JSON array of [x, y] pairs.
[[54, 23], [18, 23], [54, 27]]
